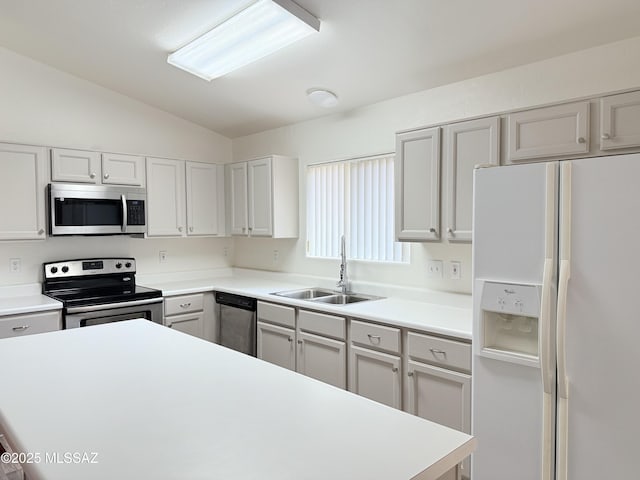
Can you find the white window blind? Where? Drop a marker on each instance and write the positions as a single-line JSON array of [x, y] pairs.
[[354, 198]]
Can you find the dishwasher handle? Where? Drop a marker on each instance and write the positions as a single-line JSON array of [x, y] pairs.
[[237, 301]]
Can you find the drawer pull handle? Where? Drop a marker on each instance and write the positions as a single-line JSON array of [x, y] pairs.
[[374, 339], [170, 325], [290, 339], [299, 342], [394, 369], [21, 328], [436, 352], [410, 374], [185, 305]]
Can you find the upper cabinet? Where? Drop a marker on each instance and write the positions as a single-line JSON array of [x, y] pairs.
[[184, 198], [467, 144], [549, 132], [263, 197], [417, 185], [81, 166], [23, 179], [620, 121]]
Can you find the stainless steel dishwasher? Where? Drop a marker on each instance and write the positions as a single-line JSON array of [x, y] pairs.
[[237, 322]]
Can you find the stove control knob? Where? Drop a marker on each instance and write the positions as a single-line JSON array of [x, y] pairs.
[[128, 264], [118, 265], [65, 269], [54, 269]]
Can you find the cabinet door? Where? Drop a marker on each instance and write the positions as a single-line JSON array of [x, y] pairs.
[[165, 197], [417, 185], [237, 186], [620, 121], [23, 179], [78, 166], [549, 132], [468, 144], [122, 169], [442, 396], [323, 359], [275, 345], [259, 198], [202, 198], [191, 323], [375, 375]]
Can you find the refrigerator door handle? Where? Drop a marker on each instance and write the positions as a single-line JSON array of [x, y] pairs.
[[563, 381], [546, 366]]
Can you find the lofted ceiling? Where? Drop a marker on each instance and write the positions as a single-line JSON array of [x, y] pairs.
[[366, 51]]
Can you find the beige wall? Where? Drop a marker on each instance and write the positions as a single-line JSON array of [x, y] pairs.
[[44, 106], [370, 130]]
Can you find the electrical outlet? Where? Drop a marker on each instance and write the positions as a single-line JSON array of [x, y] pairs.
[[434, 268], [276, 256], [14, 265], [162, 255], [226, 251], [454, 270]]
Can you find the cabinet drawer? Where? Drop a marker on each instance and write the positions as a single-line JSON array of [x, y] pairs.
[[322, 324], [19, 325], [183, 304], [376, 336], [278, 314], [439, 351]]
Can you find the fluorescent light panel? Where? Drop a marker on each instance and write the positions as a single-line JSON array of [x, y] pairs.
[[257, 31]]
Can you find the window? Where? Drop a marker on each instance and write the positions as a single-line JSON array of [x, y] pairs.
[[354, 198]]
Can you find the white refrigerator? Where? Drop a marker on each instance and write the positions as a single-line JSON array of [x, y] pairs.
[[556, 333]]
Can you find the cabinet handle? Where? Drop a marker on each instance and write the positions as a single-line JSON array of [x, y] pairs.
[[436, 352], [92, 175], [290, 339], [410, 374], [179, 229], [106, 176], [250, 228], [433, 230], [21, 328], [40, 232], [170, 325], [374, 339], [581, 140], [185, 305], [605, 136], [394, 369], [191, 229], [450, 231]]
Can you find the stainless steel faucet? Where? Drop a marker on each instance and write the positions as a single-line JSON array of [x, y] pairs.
[[343, 282]]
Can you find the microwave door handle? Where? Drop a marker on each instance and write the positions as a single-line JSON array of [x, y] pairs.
[[123, 198]]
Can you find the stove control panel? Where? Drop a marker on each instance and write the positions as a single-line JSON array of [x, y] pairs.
[[91, 266]]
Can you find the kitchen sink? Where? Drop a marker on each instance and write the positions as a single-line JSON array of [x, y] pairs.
[[305, 293], [323, 295], [343, 299]]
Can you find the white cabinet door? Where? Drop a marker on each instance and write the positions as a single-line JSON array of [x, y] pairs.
[[417, 185], [323, 359], [23, 179], [375, 375], [165, 197], [202, 198], [123, 169], [620, 121], [276, 345], [191, 323], [237, 182], [549, 132], [260, 201], [78, 166], [468, 144], [442, 396]]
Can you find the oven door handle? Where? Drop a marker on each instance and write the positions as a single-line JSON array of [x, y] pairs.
[[109, 306], [123, 198]]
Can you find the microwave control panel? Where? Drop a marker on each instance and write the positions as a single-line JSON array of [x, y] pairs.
[[135, 212]]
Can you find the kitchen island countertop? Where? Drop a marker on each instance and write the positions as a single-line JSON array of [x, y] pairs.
[[145, 401]]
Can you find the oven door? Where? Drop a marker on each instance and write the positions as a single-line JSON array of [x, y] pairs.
[[96, 210], [114, 312]]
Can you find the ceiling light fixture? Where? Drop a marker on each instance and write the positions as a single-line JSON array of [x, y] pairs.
[[262, 28], [322, 98]]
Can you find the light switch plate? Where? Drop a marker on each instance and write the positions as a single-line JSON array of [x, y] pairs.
[[434, 268]]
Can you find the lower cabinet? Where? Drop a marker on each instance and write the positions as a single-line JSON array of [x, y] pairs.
[[192, 314], [375, 375], [276, 344], [30, 323]]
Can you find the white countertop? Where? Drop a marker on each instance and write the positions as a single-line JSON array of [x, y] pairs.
[[25, 299], [441, 319], [156, 403]]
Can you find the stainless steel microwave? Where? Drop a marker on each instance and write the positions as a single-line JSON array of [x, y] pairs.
[[76, 209]]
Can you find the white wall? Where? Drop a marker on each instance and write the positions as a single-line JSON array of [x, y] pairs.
[[371, 130], [44, 106]]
